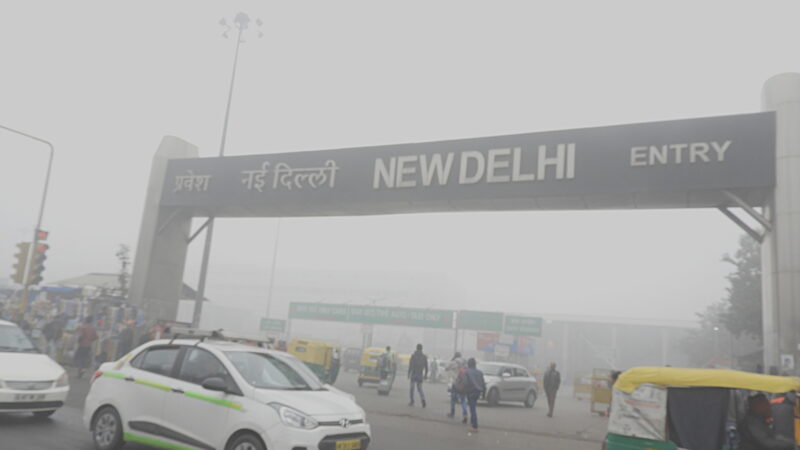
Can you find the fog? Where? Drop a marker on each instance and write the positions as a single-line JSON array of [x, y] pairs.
[[105, 82]]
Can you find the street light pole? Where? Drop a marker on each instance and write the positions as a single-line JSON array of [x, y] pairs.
[[24, 301], [241, 21], [272, 270]]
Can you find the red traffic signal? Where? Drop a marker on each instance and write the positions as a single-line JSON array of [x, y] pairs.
[[41, 235]]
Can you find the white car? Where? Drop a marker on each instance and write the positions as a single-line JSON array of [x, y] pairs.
[[215, 394], [30, 381], [506, 382]]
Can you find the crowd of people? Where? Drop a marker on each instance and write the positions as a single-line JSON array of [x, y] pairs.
[[80, 333]]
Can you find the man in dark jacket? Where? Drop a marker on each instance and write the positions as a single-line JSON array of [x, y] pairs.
[[783, 414], [552, 381], [756, 431], [417, 373], [476, 388]]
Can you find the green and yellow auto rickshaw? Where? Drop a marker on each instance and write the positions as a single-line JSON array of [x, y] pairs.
[[370, 370], [665, 408], [321, 357]]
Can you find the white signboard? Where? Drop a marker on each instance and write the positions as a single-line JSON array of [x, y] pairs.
[[502, 351], [787, 362], [641, 414]]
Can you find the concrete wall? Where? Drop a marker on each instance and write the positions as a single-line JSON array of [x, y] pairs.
[[781, 248], [161, 251]]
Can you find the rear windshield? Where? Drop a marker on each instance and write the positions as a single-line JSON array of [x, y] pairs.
[[490, 369], [265, 371], [13, 339]]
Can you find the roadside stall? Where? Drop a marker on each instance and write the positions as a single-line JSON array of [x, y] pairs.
[[582, 387], [601, 391]]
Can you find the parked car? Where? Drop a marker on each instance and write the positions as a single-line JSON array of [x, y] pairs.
[[30, 381], [507, 382], [212, 393]]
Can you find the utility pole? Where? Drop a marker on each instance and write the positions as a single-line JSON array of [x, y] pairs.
[[23, 304], [242, 23]]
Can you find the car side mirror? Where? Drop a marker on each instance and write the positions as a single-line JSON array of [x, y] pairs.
[[505, 375], [215, 384]]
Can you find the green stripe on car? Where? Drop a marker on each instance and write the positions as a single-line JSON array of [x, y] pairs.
[[215, 400], [205, 398], [116, 375], [153, 385], [130, 437]]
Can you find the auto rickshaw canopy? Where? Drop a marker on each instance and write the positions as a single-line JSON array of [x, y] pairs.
[[629, 380]]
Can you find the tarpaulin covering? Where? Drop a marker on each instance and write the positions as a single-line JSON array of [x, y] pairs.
[[697, 417], [675, 377]]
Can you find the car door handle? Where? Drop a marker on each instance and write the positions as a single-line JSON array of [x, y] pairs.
[[177, 391]]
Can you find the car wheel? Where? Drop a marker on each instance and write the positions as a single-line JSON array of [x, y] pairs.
[[530, 400], [107, 429], [43, 414], [493, 397], [246, 441]]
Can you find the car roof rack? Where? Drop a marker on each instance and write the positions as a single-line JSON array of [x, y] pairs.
[[218, 335]]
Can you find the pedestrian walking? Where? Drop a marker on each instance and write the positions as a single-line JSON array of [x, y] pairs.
[[417, 373], [53, 331], [386, 363], [475, 389], [87, 334], [552, 381], [125, 342], [434, 370], [457, 370]]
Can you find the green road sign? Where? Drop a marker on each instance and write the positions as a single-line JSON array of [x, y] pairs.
[[480, 321], [415, 317], [376, 315], [318, 311], [278, 325], [524, 326]]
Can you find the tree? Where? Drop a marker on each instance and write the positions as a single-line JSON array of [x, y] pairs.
[[123, 255], [738, 313], [702, 345], [742, 313]]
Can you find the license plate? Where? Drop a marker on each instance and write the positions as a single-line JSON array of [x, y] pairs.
[[349, 445], [28, 397]]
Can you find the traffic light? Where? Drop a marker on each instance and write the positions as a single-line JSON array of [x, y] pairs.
[[41, 235], [37, 264], [22, 262]]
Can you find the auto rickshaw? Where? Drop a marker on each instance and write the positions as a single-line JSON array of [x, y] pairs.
[[370, 371], [321, 357], [665, 408]]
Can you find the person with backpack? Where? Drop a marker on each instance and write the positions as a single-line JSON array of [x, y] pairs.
[[458, 384], [476, 388], [386, 363], [417, 373]]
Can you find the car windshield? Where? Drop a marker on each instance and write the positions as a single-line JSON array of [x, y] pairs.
[[490, 369], [13, 339], [265, 371]]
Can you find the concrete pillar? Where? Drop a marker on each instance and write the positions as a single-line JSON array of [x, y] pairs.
[[160, 257], [781, 248]]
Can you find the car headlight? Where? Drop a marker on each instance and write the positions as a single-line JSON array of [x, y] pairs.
[[294, 418], [63, 380]]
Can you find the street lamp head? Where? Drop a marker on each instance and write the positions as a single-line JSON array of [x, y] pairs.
[[242, 21]]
